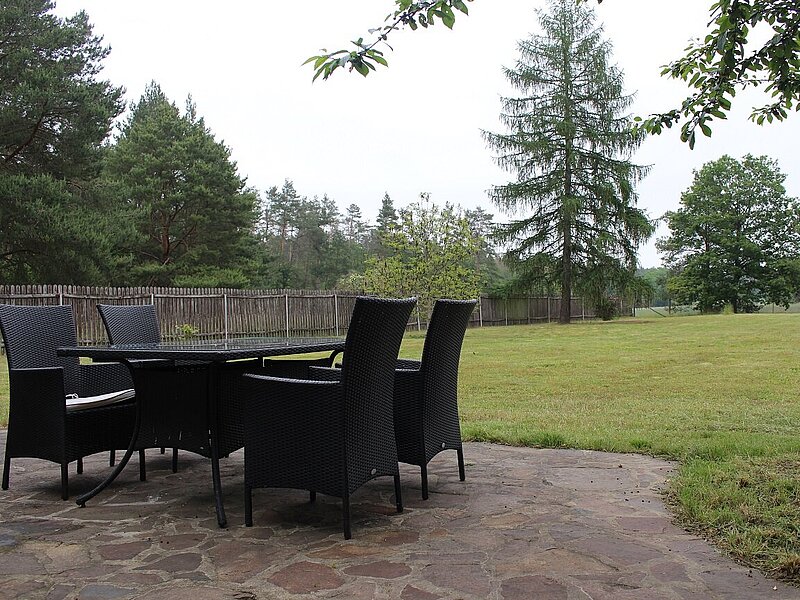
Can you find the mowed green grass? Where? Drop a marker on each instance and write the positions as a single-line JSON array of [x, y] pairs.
[[721, 394]]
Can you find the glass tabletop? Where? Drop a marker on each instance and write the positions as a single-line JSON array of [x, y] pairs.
[[212, 350]]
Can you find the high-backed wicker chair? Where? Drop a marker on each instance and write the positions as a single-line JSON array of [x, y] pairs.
[[134, 324], [330, 436], [426, 391], [39, 423]]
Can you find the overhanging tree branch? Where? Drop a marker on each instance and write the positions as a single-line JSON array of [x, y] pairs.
[[714, 68]]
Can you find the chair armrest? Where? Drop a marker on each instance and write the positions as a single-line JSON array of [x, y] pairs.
[[407, 377], [100, 378], [291, 368], [408, 394], [325, 373], [34, 391], [277, 383], [333, 356], [408, 363], [278, 394], [37, 408]]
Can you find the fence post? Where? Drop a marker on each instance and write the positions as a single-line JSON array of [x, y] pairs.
[[505, 304], [336, 313], [548, 308], [480, 311], [529, 310], [286, 304], [419, 325], [60, 298], [225, 314], [153, 299], [583, 309]]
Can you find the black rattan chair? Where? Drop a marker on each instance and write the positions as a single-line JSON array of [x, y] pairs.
[[135, 324], [330, 436], [426, 391], [39, 423]]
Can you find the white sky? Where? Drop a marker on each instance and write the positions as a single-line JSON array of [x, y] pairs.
[[414, 127]]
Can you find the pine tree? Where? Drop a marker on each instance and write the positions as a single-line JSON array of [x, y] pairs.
[[195, 216], [568, 144]]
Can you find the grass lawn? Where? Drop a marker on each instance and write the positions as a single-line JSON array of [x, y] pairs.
[[718, 393]]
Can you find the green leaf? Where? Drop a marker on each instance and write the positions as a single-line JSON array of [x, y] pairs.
[[362, 68]]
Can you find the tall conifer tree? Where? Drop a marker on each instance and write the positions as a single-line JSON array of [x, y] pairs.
[[574, 220]]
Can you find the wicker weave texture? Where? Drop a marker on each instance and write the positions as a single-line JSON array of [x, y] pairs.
[[130, 324], [330, 436], [39, 425], [426, 391]]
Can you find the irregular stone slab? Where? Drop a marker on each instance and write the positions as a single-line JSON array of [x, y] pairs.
[[382, 569], [307, 577], [526, 523]]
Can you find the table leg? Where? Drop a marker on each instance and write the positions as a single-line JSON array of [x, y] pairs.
[[214, 396]]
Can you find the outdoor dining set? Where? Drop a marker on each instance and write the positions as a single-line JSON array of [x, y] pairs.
[[325, 425]]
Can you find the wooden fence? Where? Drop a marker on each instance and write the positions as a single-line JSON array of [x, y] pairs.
[[230, 313]]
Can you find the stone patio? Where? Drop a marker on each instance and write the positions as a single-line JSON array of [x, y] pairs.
[[526, 525]]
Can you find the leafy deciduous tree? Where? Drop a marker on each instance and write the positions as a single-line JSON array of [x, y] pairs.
[[727, 60], [568, 145], [432, 256], [736, 238]]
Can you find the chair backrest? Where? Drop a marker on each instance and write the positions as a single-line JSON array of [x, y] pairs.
[[135, 324], [32, 334], [442, 350], [373, 341]]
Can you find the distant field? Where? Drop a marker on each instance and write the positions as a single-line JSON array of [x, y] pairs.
[[718, 393], [681, 311]]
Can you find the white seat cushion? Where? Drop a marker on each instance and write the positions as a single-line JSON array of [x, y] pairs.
[[75, 402]]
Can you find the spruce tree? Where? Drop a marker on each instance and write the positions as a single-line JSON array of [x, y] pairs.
[[572, 203]]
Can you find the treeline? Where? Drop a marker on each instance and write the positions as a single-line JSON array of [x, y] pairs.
[[160, 202]]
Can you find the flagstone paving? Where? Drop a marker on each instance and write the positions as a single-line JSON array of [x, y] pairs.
[[527, 524]]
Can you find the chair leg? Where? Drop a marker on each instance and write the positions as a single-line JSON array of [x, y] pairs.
[[346, 516], [398, 495], [248, 506], [80, 466], [461, 475], [312, 496], [64, 481], [423, 471], [6, 470], [174, 460], [163, 450], [142, 469], [112, 458]]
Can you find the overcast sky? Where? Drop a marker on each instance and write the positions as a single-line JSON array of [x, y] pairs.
[[416, 126]]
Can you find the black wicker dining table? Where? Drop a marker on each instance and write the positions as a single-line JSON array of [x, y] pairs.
[[212, 354]]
